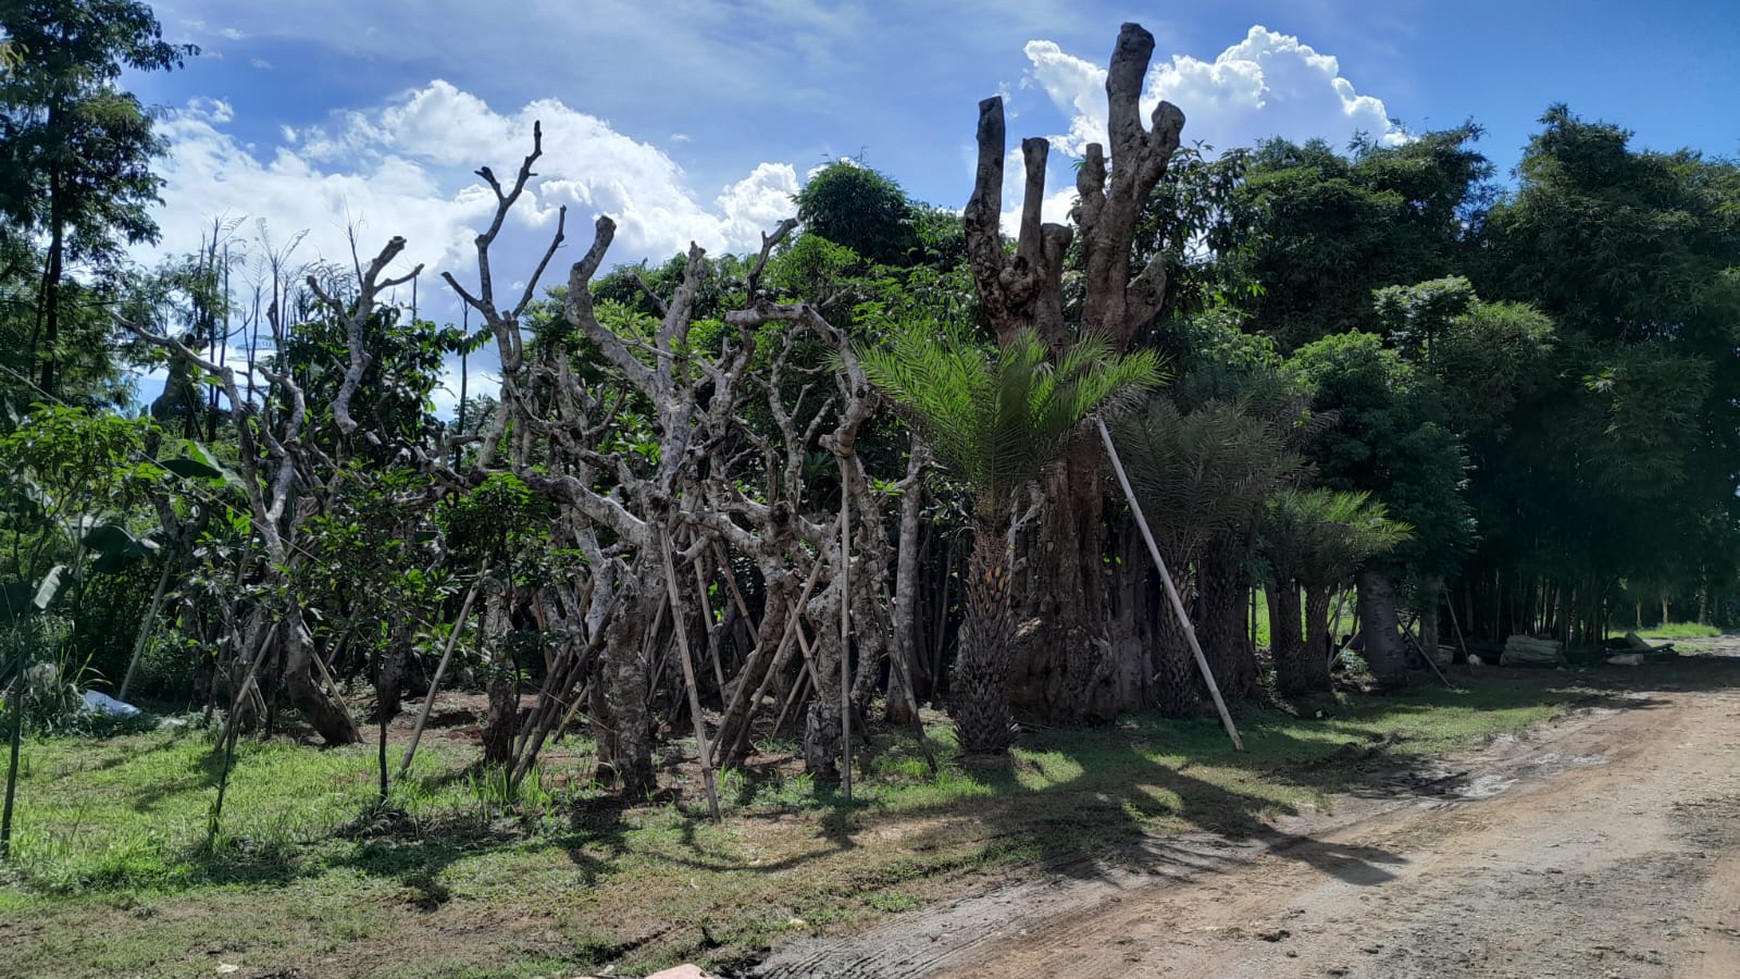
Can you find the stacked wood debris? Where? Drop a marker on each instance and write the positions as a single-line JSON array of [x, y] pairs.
[[1529, 651]]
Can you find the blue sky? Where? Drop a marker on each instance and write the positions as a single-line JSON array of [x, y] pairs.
[[696, 119]]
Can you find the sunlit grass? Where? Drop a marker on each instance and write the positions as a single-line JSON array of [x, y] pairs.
[[114, 866]]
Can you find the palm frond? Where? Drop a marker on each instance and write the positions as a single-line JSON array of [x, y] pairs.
[[996, 417]]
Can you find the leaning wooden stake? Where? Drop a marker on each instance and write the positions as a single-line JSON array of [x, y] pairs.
[[1226, 720], [845, 629], [440, 671], [1450, 603], [680, 628]]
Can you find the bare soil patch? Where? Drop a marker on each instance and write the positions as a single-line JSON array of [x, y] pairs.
[[1606, 843]]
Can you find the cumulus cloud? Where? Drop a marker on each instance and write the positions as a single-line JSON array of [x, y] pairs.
[[1268, 84], [406, 168]]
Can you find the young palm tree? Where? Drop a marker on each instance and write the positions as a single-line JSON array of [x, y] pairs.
[[996, 419], [1316, 538], [1200, 474]]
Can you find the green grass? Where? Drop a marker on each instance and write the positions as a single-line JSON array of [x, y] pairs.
[[115, 876], [1679, 630]]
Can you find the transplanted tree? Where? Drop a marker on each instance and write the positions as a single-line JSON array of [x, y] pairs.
[[1316, 539], [996, 420], [1058, 677], [1200, 474], [75, 150]]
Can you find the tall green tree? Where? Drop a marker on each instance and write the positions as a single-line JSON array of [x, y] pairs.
[[996, 420], [75, 149], [1632, 430]]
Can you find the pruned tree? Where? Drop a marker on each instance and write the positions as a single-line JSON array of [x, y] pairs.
[[1023, 290]]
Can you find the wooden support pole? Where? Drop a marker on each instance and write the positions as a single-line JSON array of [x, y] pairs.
[[440, 671], [845, 629], [712, 628], [1226, 720], [689, 676], [784, 642]]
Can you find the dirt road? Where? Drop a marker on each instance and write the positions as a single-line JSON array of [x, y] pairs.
[[1604, 844]]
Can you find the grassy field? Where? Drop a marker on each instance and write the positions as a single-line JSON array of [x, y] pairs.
[[115, 874], [1680, 630]]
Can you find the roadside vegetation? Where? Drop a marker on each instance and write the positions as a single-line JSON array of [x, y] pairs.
[[116, 873], [743, 595]]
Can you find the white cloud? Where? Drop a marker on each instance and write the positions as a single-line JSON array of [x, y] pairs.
[[406, 167], [1269, 84], [210, 110]]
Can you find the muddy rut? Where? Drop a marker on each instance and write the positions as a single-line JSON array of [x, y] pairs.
[[1606, 844]]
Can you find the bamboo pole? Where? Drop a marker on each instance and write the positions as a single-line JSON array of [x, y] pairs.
[[1226, 720], [440, 671], [689, 676]]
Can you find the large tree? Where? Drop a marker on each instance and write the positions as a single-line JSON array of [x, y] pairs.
[[75, 149], [997, 421], [1071, 666]]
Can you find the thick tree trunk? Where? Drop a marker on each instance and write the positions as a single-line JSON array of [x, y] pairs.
[[501, 725], [1175, 678], [303, 681], [822, 720], [1379, 626], [1314, 651], [627, 695], [983, 723], [1286, 639], [1221, 619], [1072, 648]]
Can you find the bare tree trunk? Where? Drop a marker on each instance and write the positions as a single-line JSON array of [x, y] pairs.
[[983, 724], [305, 684], [822, 721], [1287, 640], [904, 626], [1378, 624], [1064, 611], [1175, 690], [626, 691], [503, 686], [1314, 651], [1221, 585]]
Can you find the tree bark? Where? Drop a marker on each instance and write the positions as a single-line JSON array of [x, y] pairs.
[[1314, 651], [1379, 625], [1175, 690], [1221, 621], [1286, 639], [305, 684], [983, 723]]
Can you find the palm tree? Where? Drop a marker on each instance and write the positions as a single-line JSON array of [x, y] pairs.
[[1201, 474], [996, 419], [1316, 538]]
